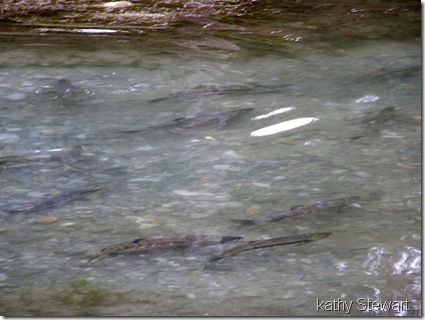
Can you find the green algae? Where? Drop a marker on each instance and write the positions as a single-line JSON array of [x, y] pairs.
[[77, 297]]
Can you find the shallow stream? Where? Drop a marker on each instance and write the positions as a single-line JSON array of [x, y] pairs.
[[177, 182]]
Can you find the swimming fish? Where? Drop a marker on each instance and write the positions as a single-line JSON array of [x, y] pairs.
[[60, 198], [377, 122], [327, 206], [215, 120], [161, 242], [280, 241]]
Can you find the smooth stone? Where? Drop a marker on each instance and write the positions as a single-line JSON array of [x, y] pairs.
[[362, 174], [226, 167], [339, 161], [147, 225], [8, 138], [288, 296], [234, 204], [249, 294], [338, 171], [253, 209], [232, 154], [261, 185], [47, 131], [222, 166], [35, 194], [185, 193], [163, 209], [14, 129], [16, 96], [47, 220], [67, 224], [306, 261], [209, 195]]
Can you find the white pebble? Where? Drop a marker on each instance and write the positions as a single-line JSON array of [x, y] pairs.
[[261, 185], [227, 167], [16, 96], [288, 296], [186, 193], [8, 138], [362, 174], [35, 194], [67, 224]]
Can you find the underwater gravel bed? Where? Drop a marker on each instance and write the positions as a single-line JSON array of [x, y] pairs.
[[197, 182]]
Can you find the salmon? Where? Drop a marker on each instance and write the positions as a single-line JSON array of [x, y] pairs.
[[57, 199], [327, 206], [280, 241]]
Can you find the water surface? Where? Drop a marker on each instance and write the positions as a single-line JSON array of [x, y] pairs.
[[196, 182]]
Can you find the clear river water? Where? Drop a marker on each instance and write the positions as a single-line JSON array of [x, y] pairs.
[[295, 147]]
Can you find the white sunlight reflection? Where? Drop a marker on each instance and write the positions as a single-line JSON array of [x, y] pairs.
[[282, 126], [277, 111], [367, 99]]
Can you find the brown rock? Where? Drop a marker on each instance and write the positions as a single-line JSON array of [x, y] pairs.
[[47, 219]]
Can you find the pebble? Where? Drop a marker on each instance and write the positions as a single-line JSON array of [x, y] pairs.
[[249, 294], [233, 154], [261, 185], [234, 204], [339, 161], [288, 296], [164, 209], [306, 261], [47, 219], [187, 193], [47, 131], [147, 225], [35, 194], [67, 224], [8, 138], [362, 174], [338, 171], [226, 167], [14, 129], [253, 209], [16, 96], [170, 204]]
